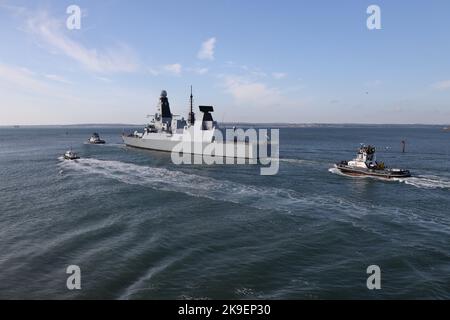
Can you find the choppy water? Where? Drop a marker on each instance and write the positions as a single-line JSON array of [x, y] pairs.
[[142, 228]]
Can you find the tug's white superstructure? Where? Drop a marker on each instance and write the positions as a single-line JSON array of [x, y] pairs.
[[365, 158]]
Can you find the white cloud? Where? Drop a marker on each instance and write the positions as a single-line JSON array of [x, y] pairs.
[[57, 78], [279, 75], [15, 81], [104, 79], [373, 83], [257, 73], [175, 68], [200, 71], [253, 72], [15, 10], [153, 71], [29, 97], [207, 50], [52, 32], [245, 91], [256, 100], [22, 79], [442, 85]]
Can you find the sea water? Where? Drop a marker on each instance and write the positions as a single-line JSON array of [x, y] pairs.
[[140, 227]]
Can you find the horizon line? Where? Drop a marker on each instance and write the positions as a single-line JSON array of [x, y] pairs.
[[233, 122]]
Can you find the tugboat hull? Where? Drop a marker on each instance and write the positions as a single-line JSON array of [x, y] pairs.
[[95, 139], [71, 158], [379, 173]]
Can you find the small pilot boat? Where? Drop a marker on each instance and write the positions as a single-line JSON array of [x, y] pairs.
[[70, 155], [95, 139], [365, 164]]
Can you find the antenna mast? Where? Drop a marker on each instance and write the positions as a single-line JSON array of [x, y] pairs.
[[191, 118]]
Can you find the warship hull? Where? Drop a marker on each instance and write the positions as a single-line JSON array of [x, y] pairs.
[[226, 149], [158, 144]]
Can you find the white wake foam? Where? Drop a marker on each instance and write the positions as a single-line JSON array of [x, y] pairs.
[[427, 182], [105, 145], [336, 171], [298, 161], [260, 197], [191, 184], [293, 161]]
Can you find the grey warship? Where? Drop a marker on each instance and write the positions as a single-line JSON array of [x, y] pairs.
[[166, 132]]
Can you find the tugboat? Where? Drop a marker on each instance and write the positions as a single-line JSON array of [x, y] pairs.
[[95, 139], [70, 155], [365, 164]]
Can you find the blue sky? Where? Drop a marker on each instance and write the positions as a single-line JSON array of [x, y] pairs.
[[255, 61]]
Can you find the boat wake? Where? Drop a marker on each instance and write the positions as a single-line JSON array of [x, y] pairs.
[[299, 162], [421, 181], [191, 184], [427, 182], [260, 197], [105, 145]]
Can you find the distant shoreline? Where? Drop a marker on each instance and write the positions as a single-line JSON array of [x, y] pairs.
[[230, 124]]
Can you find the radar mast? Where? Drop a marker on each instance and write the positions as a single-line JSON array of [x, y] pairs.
[[191, 116]]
